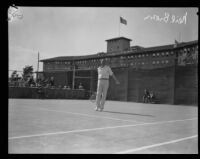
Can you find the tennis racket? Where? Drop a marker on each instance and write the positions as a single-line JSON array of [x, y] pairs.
[[93, 97]]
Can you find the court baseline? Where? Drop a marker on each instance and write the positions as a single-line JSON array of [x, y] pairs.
[[156, 145], [102, 128]]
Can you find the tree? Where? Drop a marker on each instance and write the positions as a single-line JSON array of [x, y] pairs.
[[14, 75], [27, 72]]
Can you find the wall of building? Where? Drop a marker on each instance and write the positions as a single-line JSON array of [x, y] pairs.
[[160, 80], [153, 70], [118, 92], [186, 85], [134, 81]]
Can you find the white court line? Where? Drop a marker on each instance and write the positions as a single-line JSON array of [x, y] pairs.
[[156, 145], [94, 129], [88, 115]]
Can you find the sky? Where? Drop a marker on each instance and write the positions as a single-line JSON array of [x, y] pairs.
[[73, 31]]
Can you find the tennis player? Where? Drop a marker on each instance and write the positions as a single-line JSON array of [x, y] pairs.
[[104, 71]]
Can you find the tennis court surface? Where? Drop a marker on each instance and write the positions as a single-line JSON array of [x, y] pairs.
[[72, 126]]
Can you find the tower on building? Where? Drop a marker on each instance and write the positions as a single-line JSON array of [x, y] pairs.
[[118, 44]]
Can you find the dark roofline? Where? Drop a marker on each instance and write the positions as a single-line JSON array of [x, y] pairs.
[[118, 38], [69, 58], [98, 55]]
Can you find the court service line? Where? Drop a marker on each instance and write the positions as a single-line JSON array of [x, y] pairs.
[[156, 145], [94, 129], [88, 115]]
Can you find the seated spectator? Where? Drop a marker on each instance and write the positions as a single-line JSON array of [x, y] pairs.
[[38, 81], [65, 87], [80, 86], [51, 81], [42, 82], [31, 81], [146, 97], [152, 97], [22, 82], [68, 87]]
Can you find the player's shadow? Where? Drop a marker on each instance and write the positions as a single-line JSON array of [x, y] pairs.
[[128, 113]]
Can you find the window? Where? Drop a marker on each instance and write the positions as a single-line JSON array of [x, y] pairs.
[[162, 53], [167, 53], [166, 61], [153, 62], [172, 52], [147, 55], [142, 63], [139, 56], [158, 54], [154, 54], [162, 62], [158, 62], [142, 55]]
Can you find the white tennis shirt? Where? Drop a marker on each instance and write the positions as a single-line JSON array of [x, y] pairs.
[[104, 72]]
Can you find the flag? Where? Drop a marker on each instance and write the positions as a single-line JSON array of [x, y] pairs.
[[123, 21]]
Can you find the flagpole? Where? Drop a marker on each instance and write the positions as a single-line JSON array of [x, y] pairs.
[[37, 66], [119, 26]]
